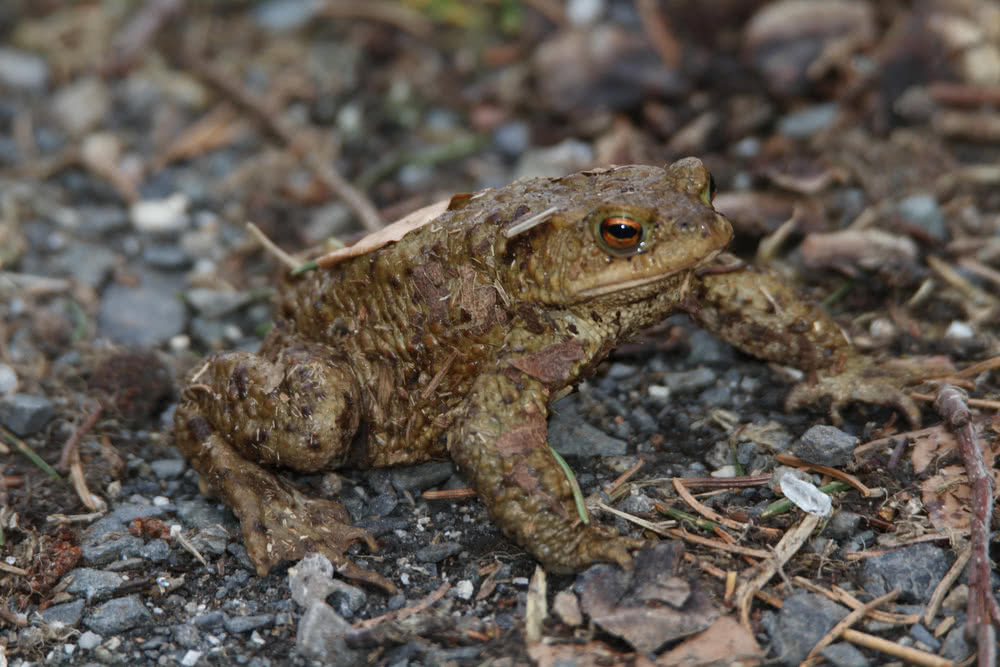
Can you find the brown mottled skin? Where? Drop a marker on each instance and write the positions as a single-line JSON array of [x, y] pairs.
[[453, 341]]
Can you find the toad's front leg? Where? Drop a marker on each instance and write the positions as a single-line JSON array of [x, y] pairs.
[[300, 412], [501, 447], [763, 316]]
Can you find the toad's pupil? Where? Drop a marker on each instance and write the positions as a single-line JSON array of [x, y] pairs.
[[621, 230]]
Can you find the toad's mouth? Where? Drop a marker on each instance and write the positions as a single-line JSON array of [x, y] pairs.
[[623, 285]]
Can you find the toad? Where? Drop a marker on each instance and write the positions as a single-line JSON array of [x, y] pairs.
[[452, 341]]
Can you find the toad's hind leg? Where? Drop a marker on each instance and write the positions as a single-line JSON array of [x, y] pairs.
[[300, 411]]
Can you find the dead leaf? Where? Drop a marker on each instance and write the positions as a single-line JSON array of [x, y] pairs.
[[725, 643]]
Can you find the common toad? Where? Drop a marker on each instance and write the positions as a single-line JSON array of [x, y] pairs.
[[453, 341]]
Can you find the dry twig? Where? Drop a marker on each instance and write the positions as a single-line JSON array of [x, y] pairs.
[[786, 548], [982, 610]]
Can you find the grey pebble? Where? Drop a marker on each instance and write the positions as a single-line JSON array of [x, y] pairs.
[[167, 257], [213, 304], [91, 582], [168, 468], [923, 635], [69, 613], [201, 513], [247, 623], [23, 70], [186, 635], [140, 316], [102, 553], [383, 504], [843, 654], [825, 445], [209, 620], [79, 106], [689, 381], [155, 551], [806, 122], [87, 263], [320, 637], [285, 15], [843, 524], [88, 641], [956, 647], [923, 211], [118, 615], [423, 476], [346, 600], [25, 414], [803, 620], [571, 436], [8, 379], [915, 570], [97, 221], [435, 553]]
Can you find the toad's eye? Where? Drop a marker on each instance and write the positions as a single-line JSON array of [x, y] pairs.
[[621, 233]]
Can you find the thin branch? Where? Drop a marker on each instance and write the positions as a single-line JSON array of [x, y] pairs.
[[982, 610]]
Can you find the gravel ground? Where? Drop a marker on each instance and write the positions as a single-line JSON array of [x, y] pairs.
[[129, 168]]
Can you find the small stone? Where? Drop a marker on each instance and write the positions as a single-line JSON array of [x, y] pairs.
[[959, 331], [89, 640], [238, 624], [435, 553], [915, 570], [843, 654], [118, 615], [161, 216], [807, 122], [825, 445], [803, 620], [571, 436], [140, 316], [23, 70], [8, 379], [689, 381], [843, 524], [25, 414], [584, 12], [215, 303], [955, 646], [923, 211], [209, 620], [422, 476], [346, 600], [321, 636], [311, 580], [285, 15], [191, 658], [464, 589], [81, 105], [69, 614], [168, 468], [167, 257], [923, 635], [92, 582], [567, 607]]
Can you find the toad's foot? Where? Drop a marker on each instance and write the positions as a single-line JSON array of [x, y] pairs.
[[281, 523], [278, 521], [862, 381], [592, 544]]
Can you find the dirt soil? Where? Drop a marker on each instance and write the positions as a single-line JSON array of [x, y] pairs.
[[856, 149]]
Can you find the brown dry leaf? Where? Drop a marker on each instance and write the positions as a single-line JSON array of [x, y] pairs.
[[386, 235], [649, 606], [933, 444], [591, 654], [725, 643], [946, 497]]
